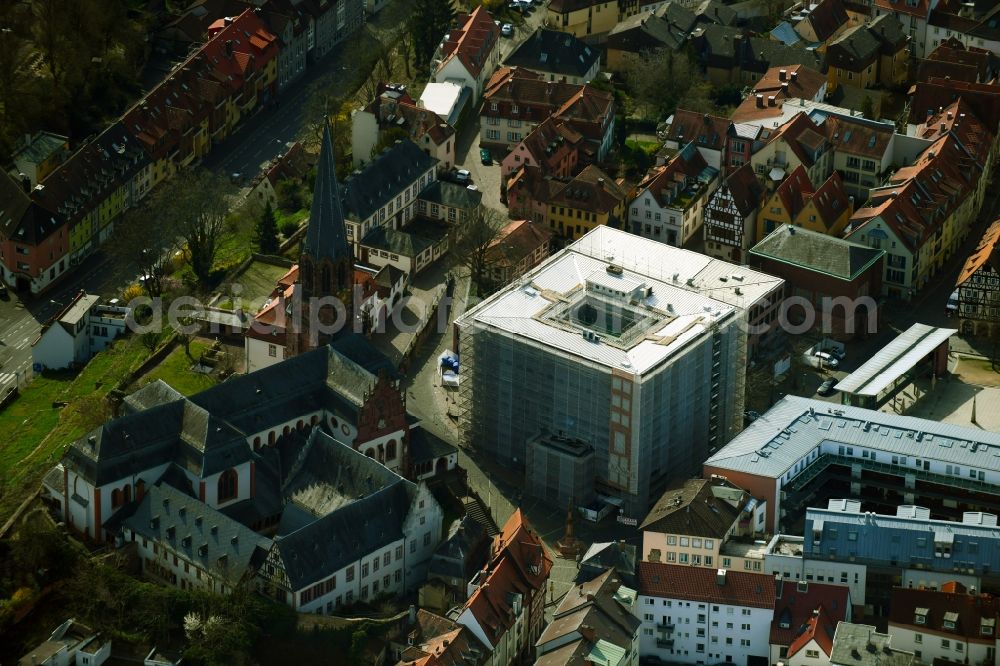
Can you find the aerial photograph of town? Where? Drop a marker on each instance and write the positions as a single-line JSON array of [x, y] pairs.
[[499, 332]]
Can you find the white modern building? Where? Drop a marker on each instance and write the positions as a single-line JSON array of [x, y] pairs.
[[83, 328], [704, 616]]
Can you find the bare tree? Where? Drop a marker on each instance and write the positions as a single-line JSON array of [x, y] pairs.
[[199, 206], [659, 79], [473, 241], [146, 239]]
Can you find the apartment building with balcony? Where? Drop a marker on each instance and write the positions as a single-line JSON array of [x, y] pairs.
[[802, 452], [696, 615], [797, 143]]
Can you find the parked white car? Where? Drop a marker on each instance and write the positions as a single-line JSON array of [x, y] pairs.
[[827, 359]]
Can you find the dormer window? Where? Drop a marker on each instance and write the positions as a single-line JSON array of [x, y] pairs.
[[920, 616], [513, 108], [950, 620], [987, 626]]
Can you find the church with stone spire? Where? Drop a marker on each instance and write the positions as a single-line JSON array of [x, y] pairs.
[[326, 285], [326, 262]]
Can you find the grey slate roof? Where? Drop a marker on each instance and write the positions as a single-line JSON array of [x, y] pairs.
[[452, 195], [392, 171], [408, 242], [854, 49], [155, 393], [556, 52], [178, 432], [425, 446], [326, 236], [199, 532], [207, 432], [358, 349], [817, 252], [314, 550], [615, 555], [463, 552], [329, 475]]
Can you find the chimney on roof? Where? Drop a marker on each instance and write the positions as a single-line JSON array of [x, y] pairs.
[[229, 48], [25, 183], [782, 74], [760, 101], [600, 183], [794, 75], [779, 585], [720, 577], [949, 115], [943, 127], [784, 87], [413, 614], [770, 100], [621, 545], [588, 633]]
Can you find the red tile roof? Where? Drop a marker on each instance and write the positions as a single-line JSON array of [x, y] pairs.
[[918, 198], [663, 181], [745, 189], [922, 8], [857, 136], [831, 200], [795, 191], [819, 627], [986, 253], [930, 97], [795, 620], [674, 581], [799, 82], [959, 120], [516, 241], [473, 42], [519, 564], [706, 130], [966, 610], [802, 137]]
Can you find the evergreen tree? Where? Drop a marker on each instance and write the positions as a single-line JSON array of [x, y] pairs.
[[429, 22], [267, 232]]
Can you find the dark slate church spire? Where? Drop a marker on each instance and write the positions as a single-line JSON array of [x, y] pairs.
[[326, 237]]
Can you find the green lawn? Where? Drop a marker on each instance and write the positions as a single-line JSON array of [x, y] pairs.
[[648, 147], [255, 284], [36, 433], [176, 370], [284, 218]]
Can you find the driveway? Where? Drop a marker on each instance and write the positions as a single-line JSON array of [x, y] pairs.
[[487, 178]]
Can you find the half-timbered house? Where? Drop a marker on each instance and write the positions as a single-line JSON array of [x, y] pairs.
[[730, 215], [978, 286]]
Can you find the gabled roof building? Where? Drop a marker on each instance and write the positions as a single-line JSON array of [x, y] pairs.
[[978, 296], [557, 56], [594, 623]]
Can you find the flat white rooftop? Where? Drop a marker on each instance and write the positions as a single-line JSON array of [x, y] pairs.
[[621, 300], [895, 359]]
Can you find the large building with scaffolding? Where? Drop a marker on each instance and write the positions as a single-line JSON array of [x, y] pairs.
[[614, 367]]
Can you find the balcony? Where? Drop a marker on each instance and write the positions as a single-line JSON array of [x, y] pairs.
[[665, 643], [665, 626]]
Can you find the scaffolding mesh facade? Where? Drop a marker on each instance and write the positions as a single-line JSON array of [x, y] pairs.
[[513, 389]]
